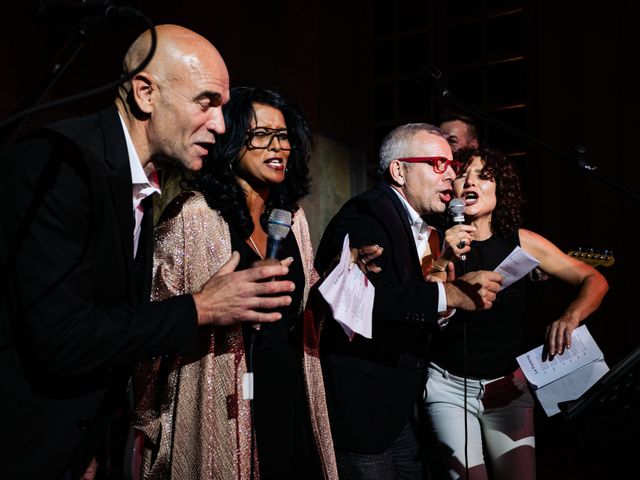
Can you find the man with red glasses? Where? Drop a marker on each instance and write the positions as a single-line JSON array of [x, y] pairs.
[[372, 385]]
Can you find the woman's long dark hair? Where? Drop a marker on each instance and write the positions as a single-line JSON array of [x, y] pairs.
[[506, 218], [217, 179]]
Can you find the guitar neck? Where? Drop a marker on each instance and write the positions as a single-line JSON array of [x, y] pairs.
[[595, 258]]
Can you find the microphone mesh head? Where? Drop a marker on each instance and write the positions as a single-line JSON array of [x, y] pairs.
[[279, 223], [456, 207]]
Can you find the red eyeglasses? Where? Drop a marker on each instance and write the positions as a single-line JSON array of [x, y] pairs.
[[439, 164]]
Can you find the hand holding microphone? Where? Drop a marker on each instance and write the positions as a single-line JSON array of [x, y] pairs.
[[278, 227], [458, 238]]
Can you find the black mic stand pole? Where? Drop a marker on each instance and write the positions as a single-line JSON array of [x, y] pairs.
[[87, 28], [578, 159], [52, 74]]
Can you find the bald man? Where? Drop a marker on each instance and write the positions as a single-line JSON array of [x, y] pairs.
[[75, 247]]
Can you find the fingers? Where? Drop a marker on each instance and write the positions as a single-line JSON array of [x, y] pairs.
[[354, 254], [461, 228], [368, 267], [486, 299], [271, 288], [459, 238], [286, 262], [363, 257], [231, 265], [558, 337], [459, 243], [551, 341], [257, 274], [550, 344], [567, 337], [494, 278], [369, 252], [270, 303], [262, 317], [257, 309], [451, 272], [239, 296], [480, 288]]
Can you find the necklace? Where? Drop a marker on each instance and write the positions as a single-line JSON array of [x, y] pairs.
[[255, 248]]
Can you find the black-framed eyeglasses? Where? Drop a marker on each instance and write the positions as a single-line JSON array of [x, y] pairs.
[[439, 164], [262, 137]]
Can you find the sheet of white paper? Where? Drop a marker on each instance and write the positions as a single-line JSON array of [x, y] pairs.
[[517, 264], [330, 287], [583, 351], [570, 387], [350, 296]]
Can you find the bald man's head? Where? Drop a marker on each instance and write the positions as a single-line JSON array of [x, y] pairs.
[[173, 107]]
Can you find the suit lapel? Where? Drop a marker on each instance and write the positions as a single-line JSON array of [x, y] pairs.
[[398, 222], [119, 177], [144, 255]]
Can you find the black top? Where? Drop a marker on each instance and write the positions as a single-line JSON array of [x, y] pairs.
[[280, 412], [495, 337], [275, 333]]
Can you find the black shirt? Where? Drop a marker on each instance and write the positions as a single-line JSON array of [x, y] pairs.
[[495, 337]]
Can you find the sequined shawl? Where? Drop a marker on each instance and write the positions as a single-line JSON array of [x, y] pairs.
[[195, 423]]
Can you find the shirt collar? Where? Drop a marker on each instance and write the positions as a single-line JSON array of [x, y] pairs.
[[415, 220], [138, 176]]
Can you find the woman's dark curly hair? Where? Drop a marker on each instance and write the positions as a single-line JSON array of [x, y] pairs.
[[507, 216], [217, 179]]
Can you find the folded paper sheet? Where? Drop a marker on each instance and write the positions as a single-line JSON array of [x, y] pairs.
[[567, 376], [517, 264], [350, 295]]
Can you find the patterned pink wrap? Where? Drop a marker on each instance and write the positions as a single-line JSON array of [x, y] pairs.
[[195, 422]]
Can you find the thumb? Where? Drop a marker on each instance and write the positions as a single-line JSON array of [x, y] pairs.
[[354, 257], [286, 262], [231, 265], [451, 272]]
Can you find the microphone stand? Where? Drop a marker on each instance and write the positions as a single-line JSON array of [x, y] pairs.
[[578, 159], [87, 29], [74, 44]]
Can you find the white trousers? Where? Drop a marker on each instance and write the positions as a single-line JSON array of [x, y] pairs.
[[498, 410]]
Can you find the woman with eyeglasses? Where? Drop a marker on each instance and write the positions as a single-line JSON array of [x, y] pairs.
[[483, 345], [195, 412]]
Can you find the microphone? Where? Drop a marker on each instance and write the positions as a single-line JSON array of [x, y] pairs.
[[278, 227], [69, 12], [456, 210]]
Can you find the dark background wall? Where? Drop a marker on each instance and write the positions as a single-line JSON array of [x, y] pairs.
[[561, 71]]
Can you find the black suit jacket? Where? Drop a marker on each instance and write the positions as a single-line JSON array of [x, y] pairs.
[[372, 385], [74, 313]]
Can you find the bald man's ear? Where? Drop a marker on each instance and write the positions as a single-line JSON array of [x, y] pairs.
[[396, 173], [142, 90], [474, 143]]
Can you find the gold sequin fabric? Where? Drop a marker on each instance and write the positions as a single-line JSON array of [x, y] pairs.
[[190, 409]]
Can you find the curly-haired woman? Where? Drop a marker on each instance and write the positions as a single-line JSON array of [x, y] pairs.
[[499, 405]]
